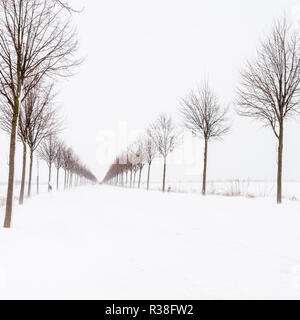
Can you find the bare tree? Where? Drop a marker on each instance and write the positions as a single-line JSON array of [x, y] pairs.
[[141, 158], [37, 175], [65, 160], [34, 43], [37, 120], [133, 163], [270, 85], [67, 156], [131, 160], [150, 152], [58, 160], [43, 121], [47, 152], [165, 137], [205, 118], [74, 162], [75, 172], [67, 6], [22, 135], [123, 160], [129, 166]]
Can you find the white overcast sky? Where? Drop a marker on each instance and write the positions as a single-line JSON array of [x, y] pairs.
[[143, 55]]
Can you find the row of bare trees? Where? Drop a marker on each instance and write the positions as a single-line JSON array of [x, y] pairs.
[[160, 139], [57, 154], [37, 46], [38, 119], [269, 92], [202, 115]]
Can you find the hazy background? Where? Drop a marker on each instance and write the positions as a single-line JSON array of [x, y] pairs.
[[142, 56]]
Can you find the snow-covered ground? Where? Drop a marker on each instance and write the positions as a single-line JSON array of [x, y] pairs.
[[102, 242], [43, 188], [248, 188]]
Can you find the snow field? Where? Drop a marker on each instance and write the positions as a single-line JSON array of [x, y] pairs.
[[112, 243]]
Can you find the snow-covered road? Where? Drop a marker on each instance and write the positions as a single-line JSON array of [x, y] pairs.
[[111, 243]]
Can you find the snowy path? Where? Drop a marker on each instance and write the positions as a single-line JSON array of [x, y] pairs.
[[111, 243]]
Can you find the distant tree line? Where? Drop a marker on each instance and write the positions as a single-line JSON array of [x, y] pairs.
[[159, 139], [58, 155]]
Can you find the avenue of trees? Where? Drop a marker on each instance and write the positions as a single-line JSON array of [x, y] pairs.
[[38, 45], [269, 91], [159, 139], [58, 155], [202, 115]]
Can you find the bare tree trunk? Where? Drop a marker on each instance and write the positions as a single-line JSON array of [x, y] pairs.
[[65, 182], [131, 178], [164, 175], [140, 176], [21, 198], [126, 177], [68, 178], [204, 168], [11, 174], [148, 175], [279, 164], [57, 179], [30, 173], [134, 178], [38, 178], [49, 178], [37, 173]]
